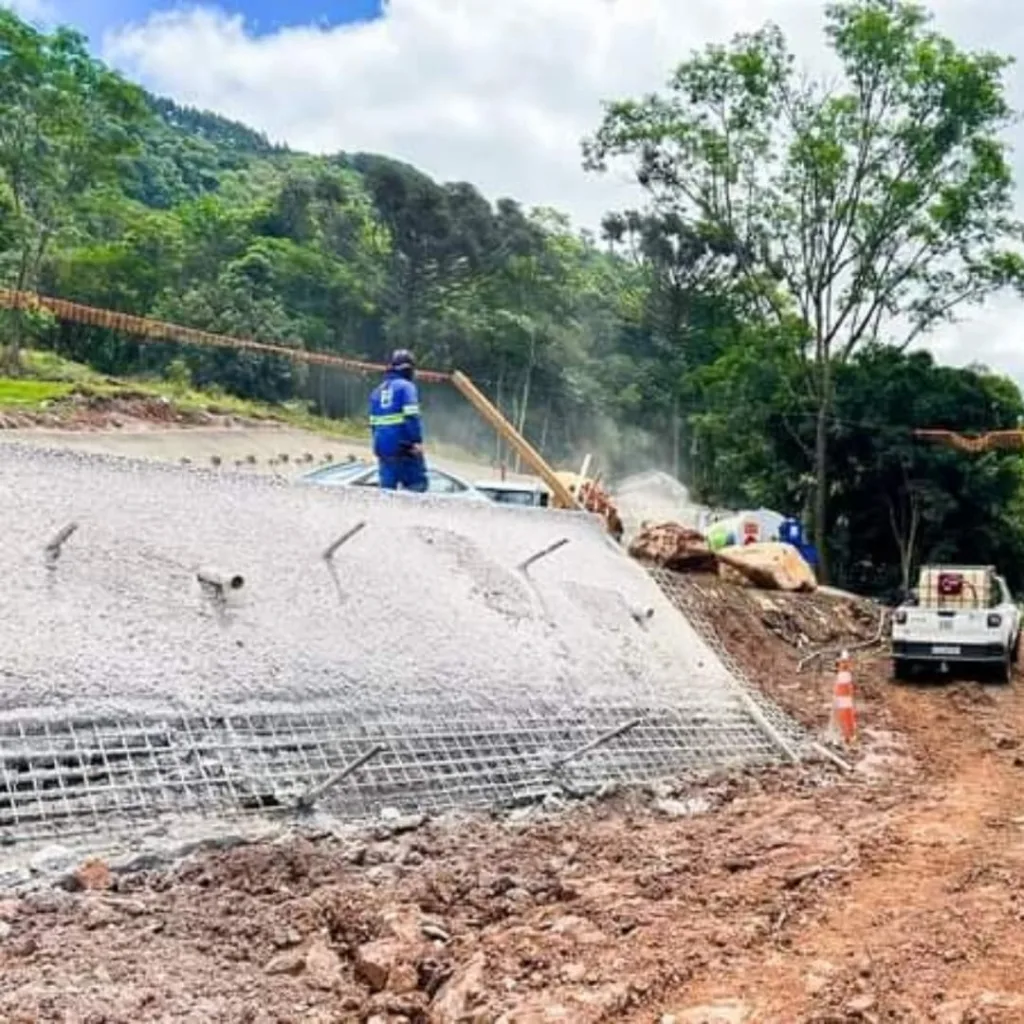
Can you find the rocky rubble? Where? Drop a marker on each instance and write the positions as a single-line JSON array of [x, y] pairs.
[[674, 547], [768, 566], [596, 912], [797, 897]]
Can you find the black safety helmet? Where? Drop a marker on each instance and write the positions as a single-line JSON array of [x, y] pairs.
[[402, 362]]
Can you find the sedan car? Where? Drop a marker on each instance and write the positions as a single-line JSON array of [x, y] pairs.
[[360, 473], [506, 493]]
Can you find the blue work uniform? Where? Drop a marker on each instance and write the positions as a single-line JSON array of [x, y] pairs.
[[396, 425]]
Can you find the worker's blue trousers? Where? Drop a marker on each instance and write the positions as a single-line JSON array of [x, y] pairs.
[[407, 471]]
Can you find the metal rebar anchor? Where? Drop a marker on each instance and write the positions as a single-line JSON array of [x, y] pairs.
[[309, 797], [620, 730], [332, 549], [57, 542], [524, 566]]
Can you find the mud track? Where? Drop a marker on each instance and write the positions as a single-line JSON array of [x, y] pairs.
[[891, 895]]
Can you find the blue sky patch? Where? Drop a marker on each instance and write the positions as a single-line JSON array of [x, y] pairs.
[[262, 16]]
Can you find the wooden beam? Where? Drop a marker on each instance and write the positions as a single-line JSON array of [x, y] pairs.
[[527, 452]]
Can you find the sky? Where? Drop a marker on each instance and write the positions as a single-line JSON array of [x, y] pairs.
[[496, 92]]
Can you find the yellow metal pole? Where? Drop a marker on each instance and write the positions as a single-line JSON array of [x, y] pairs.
[[527, 452]]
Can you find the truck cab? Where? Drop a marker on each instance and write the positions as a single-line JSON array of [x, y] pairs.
[[957, 615]]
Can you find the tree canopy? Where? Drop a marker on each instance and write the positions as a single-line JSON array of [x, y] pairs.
[[755, 316], [868, 208]]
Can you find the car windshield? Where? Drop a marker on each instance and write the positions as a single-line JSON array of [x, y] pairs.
[[438, 482], [338, 474], [515, 497], [505, 495]]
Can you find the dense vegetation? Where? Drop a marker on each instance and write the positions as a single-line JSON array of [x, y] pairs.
[[748, 331]]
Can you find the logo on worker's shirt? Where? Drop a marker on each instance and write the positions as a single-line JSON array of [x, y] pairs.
[[385, 396]]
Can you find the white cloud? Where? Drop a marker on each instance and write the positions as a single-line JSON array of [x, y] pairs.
[[497, 93], [32, 10]]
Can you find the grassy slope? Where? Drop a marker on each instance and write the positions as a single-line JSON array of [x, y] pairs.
[[48, 378]]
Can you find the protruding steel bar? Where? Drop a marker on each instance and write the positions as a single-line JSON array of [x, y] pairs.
[[59, 539], [311, 795], [332, 549], [549, 550], [619, 730]]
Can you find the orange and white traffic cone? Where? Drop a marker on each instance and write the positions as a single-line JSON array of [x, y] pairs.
[[844, 714]]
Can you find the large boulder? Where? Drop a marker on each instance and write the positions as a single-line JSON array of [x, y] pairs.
[[673, 546], [768, 566]]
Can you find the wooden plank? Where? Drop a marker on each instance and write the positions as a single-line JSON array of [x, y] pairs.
[[526, 451]]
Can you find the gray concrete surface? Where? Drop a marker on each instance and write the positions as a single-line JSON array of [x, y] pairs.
[[233, 444], [432, 606], [427, 639]]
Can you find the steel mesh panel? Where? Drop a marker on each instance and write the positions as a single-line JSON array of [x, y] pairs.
[[681, 591], [78, 775]]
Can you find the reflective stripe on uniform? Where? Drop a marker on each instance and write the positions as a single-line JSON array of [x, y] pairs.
[[410, 410], [393, 419]]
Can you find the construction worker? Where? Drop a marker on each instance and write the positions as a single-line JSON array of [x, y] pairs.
[[397, 429]]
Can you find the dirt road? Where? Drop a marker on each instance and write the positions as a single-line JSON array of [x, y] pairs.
[[894, 894], [926, 921]]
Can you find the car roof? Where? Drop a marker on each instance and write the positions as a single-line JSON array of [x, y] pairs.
[[508, 485], [359, 467]]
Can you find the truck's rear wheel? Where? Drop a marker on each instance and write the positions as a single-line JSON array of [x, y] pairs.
[[1005, 670], [902, 669]]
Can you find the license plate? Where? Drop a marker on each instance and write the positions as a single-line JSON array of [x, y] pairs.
[[949, 652]]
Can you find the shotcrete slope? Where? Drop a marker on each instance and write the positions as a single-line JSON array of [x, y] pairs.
[[426, 639], [430, 603]]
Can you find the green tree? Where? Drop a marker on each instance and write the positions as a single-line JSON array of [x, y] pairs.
[[904, 502], [65, 123], [876, 206]]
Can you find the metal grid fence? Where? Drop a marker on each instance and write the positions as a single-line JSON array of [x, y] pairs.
[[680, 590], [82, 775]]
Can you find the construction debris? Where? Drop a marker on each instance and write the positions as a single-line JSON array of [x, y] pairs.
[[594, 498], [768, 566], [673, 546]]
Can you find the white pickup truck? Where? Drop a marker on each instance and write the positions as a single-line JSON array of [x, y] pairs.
[[957, 615]]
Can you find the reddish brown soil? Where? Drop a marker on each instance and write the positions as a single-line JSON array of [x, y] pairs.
[[894, 894], [84, 410]]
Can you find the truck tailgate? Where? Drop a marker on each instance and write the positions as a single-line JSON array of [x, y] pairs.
[[938, 625]]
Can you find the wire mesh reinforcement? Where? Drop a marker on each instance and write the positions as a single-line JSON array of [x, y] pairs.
[[79, 775], [128, 698], [679, 589]]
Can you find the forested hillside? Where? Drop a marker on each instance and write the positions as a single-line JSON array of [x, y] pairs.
[[668, 338]]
